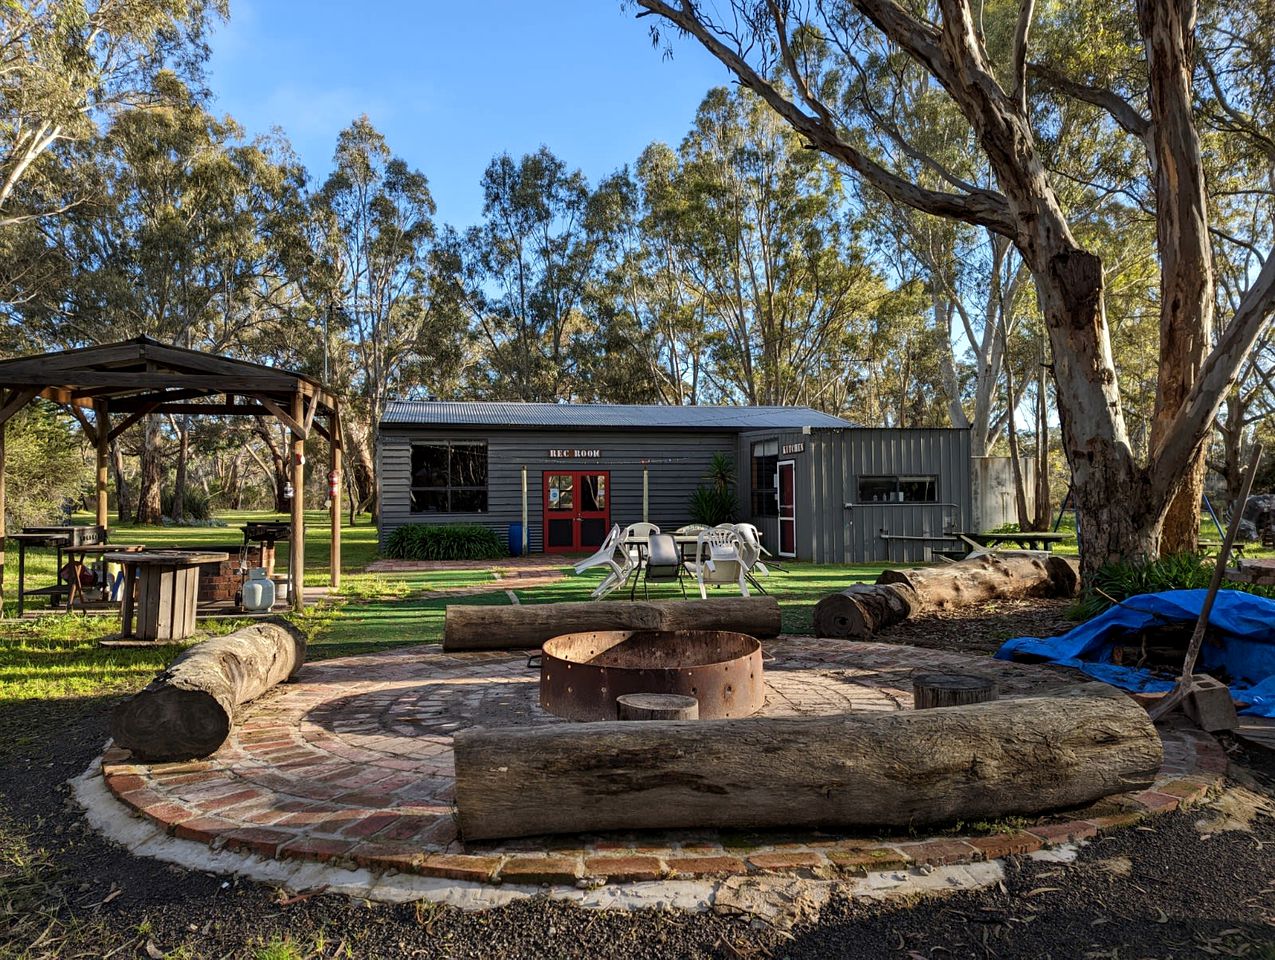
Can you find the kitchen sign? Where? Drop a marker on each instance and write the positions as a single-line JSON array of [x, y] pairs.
[[793, 448], [558, 453]]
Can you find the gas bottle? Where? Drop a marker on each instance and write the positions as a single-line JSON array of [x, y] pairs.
[[258, 591]]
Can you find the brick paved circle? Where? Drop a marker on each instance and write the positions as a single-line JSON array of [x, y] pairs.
[[354, 763]]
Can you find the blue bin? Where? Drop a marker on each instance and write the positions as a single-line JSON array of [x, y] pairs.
[[515, 539]]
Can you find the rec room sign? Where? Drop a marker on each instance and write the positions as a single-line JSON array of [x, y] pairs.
[[560, 453]]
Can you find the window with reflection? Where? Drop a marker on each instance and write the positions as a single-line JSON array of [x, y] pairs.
[[449, 476]]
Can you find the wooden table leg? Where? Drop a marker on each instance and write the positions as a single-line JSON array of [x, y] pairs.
[[73, 585], [22, 574], [126, 611]]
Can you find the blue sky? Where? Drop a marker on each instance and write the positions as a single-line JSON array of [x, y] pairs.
[[451, 85]]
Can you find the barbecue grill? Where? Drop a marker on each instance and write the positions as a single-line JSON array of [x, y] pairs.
[[266, 531], [71, 535]]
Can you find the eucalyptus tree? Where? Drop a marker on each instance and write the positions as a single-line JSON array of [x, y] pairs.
[[374, 232], [527, 268], [1142, 83], [67, 66], [181, 242]]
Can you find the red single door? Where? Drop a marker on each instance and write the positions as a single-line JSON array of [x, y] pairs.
[[787, 508], [577, 510]]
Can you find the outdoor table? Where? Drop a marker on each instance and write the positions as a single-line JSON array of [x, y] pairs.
[[1039, 540], [167, 584], [60, 541], [1253, 571], [75, 560]]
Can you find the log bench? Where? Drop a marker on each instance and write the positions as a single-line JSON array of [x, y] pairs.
[[982, 761], [528, 626]]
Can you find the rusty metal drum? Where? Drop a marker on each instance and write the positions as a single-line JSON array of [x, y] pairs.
[[582, 674]]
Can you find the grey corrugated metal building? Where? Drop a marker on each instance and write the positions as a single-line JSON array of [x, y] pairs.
[[816, 486]]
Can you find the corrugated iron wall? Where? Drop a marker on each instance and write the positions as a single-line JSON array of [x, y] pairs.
[[834, 526]]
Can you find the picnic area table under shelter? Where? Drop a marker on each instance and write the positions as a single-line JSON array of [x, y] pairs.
[[110, 387]]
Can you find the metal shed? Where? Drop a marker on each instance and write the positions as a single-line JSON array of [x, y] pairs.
[[584, 467]]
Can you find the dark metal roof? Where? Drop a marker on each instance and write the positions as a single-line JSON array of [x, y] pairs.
[[604, 415]]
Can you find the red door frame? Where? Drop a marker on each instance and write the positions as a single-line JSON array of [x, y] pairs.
[[577, 514], [787, 511]]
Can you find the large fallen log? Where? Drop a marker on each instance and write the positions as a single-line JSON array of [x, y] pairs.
[[860, 611], [983, 761], [526, 626], [188, 710]]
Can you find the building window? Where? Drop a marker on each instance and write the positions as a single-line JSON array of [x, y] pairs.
[[449, 477], [765, 470], [908, 489]]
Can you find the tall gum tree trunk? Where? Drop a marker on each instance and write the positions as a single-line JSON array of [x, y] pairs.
[[1182, 236], [150, 506], [123, 493], [1117, 519]]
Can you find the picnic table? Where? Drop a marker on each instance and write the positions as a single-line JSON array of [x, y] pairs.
[[59, 541], [1039, 540], [167, 586]]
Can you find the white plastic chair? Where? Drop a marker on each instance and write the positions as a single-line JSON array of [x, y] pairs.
[[614, 555], [642, 531], [751, 551], [719, 560]]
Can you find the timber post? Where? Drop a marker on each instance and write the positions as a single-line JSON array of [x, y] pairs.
[[102, 443], [334, 491], [296, 537]]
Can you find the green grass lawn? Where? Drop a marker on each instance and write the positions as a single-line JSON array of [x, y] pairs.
[[57, 655]]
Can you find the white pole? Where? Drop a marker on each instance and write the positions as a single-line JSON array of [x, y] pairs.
[[525, 532], [646, 492]]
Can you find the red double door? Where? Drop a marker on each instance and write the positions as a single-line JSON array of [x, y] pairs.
[[577, 510]]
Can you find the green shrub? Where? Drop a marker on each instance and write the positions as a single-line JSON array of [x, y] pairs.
[[197, 505], [444, 541], [713, 505], [1128, 578]]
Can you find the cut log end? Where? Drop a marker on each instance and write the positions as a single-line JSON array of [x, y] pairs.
[[657, 706], [950, 690], [164, 723]]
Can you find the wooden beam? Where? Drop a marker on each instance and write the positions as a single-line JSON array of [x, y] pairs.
[[15, 400], [292, 420], [159, 379], [63, 396], [126, 403], [296, 553], [90, 430], [128, 421], [203, 409], [309, 413]]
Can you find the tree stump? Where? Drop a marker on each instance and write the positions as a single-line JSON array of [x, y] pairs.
[[657, 706], [951, 690]]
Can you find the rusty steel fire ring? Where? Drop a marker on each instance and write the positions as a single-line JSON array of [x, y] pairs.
[[582, 674]]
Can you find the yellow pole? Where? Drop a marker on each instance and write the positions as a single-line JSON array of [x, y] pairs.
[[646, 492], [526, 534]]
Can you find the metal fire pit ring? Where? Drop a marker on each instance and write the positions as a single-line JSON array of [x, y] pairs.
[[582, 674]]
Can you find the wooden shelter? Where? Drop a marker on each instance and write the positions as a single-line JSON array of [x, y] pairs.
[[109, 388]]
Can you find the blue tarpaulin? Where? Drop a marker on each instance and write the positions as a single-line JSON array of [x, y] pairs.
[[1245, 624]]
